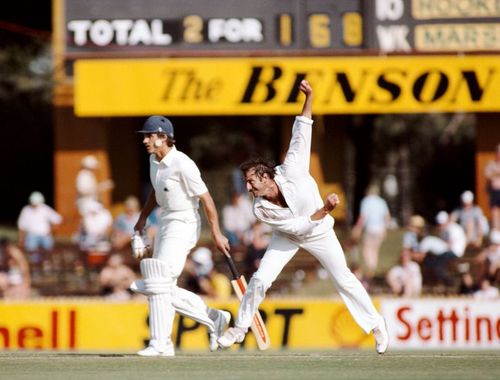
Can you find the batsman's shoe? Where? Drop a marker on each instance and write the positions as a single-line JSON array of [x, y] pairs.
[[151, 351], [220, 321], [231, 336], [381, 337]]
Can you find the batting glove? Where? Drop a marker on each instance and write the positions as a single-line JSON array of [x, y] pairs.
[[140, 245]]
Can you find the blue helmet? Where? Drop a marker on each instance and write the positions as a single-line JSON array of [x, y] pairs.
[[158, 124]]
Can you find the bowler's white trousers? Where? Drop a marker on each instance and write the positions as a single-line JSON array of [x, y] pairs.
[[327, 249], [177, 234]]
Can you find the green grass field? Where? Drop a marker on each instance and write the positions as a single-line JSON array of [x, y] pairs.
[[288, 365]]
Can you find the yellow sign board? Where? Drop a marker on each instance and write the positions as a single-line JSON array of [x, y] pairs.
[[250, 86], [102, 325]]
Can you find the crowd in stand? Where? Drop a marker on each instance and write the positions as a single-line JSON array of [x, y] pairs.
[[461, 255]]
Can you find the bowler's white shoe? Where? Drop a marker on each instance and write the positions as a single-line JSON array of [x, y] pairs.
[[231, 336], [150, 351], [381, 337], [220, 321]]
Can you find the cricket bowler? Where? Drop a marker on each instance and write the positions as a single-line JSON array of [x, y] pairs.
[[287, 198]]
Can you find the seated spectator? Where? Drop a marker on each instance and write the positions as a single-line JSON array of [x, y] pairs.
[[256, 240], [472, 220], [437, 252], [413, 235], [487, 291], [94, 234], [35, 224], [203, 278], [237, 218], [405, 279], [467, 285], [489, 258], [15, 279], [115, 279], [123, 226]]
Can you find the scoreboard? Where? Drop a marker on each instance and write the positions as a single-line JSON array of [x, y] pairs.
[[140, 25], [120, 27], [432, 25]]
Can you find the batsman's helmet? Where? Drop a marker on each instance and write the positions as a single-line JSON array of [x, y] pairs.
[[158, 124]]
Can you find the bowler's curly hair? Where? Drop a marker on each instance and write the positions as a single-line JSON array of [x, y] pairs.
[[260, 166]]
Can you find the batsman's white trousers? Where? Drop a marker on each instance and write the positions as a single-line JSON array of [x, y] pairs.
[[177, 234], [327, 249]]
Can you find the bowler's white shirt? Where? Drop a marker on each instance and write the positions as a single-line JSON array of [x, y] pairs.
[[177, 181], [38, 220], [299, 189]]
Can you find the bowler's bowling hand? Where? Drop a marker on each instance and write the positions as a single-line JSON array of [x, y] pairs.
[[305, 87]]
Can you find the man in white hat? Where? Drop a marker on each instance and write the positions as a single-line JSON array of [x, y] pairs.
[[472, 220], [88, 188], [35, 224]]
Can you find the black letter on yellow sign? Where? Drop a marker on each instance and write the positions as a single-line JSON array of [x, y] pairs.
[[255, 81], [182, 327], [439, 91], [287, 314], [295, 91]]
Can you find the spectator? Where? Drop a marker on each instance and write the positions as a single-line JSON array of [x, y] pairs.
[[123, 226], [115, 279], [203, 278], [492, 174], [487, 291], [467, 285], [374, 217], [438, 252], [489, 258], [87, 187], [94, 234], [256, 240], [35, 224], [405, 279], [237, 218], [414, 233], [15, 279], [472, 220]]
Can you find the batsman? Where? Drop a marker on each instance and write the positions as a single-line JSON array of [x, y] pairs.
[[177, 189], [287, 198]]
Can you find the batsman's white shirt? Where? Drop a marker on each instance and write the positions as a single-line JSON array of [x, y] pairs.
[[177, 181], [177, 184]]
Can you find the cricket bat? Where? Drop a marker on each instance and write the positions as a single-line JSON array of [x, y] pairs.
[[240, 285]]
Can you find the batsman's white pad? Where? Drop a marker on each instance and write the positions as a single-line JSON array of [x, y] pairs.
[[254, 295], [161, 319], [184, 302], [192, 306], [158, 284], [157, 277]]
